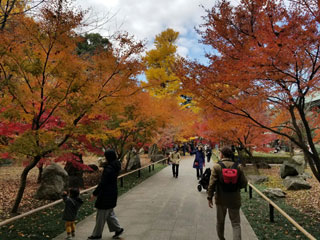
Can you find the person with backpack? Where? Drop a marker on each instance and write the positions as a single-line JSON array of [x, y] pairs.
[[227, 178]]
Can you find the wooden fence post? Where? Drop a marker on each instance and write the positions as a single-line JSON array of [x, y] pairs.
[[271, 212]]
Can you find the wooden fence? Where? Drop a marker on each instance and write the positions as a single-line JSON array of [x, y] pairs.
[[273, 206], [121, 177]]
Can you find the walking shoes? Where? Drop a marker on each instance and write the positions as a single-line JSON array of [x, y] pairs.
[[116, 236], [94, 237]]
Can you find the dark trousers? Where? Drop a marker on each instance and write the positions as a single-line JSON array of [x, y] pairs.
[[199, 172], [234, 215], [209, 157], [175, 170]]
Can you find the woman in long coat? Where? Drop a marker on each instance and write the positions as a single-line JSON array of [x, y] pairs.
[[106, 195], [199, 161]]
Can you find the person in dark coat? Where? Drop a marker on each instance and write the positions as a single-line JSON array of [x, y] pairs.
[[72, 204], [208, 153], [199, 161], [106, 195]]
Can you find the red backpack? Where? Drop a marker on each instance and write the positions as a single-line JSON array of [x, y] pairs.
[[229, 177]]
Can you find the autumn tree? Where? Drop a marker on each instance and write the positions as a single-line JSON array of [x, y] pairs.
[[10, 8], [128, 123], [265, 58], [48, 89], [160, 63], [238, 131]]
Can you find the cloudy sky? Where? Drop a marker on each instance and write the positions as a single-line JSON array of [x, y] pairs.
[[146, 18]]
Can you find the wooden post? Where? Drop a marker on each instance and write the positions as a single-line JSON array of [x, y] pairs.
[[121, 182], [139, 174], [271, 212]]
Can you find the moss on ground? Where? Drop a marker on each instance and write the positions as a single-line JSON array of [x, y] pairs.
[[257, 212]]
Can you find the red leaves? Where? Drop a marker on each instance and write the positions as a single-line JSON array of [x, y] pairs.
[[13, 128]]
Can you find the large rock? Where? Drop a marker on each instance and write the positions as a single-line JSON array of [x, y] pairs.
[[157, 157], [257, 179], [274, 193], [133, 161], [54, 181], [295, 183], [290, 169], [298, 160], [305, 176]]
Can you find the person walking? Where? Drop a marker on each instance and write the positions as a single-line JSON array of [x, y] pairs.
[[175, 160], [227, 178], [208, 153], [106, 195], [199, 161], [72, 204]]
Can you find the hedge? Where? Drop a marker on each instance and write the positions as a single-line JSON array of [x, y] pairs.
[[267, 159]]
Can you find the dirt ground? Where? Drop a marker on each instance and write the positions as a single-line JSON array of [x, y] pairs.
[[10, 179]]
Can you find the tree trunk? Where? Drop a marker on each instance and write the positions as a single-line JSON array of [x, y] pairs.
[[23, 182], [39, 174], [242, 160]]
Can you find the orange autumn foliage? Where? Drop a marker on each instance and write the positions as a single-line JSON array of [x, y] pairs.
[[265, 59]]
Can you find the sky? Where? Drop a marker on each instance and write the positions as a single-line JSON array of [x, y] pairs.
[[146, 18]]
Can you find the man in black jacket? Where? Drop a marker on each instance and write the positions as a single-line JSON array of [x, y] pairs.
[[106, 195]]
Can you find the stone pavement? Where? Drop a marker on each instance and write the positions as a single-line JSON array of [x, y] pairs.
[[165, 208]]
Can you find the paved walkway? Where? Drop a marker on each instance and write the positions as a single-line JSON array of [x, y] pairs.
[[165, 208]]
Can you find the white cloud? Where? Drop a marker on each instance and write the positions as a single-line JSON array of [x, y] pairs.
[[146, 18]]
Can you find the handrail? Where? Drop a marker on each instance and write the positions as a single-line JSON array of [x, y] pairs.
[[283, 213], [60, 200]]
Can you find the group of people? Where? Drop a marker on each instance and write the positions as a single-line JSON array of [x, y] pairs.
[[226, 199], [201, 152]]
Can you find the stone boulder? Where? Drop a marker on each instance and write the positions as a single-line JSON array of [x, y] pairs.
[[133, 161], [157, 157], [298, 159], [305, 176], [274, 193], [295, 183], [290, 169], [54, 181], [257, 179]]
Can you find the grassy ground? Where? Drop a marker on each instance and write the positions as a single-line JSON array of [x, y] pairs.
[[257, 213], [47, 224]]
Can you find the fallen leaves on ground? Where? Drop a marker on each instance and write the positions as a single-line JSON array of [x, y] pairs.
[[306, 201]]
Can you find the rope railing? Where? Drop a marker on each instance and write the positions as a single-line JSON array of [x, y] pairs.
[[273, 206], [81, 192]]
